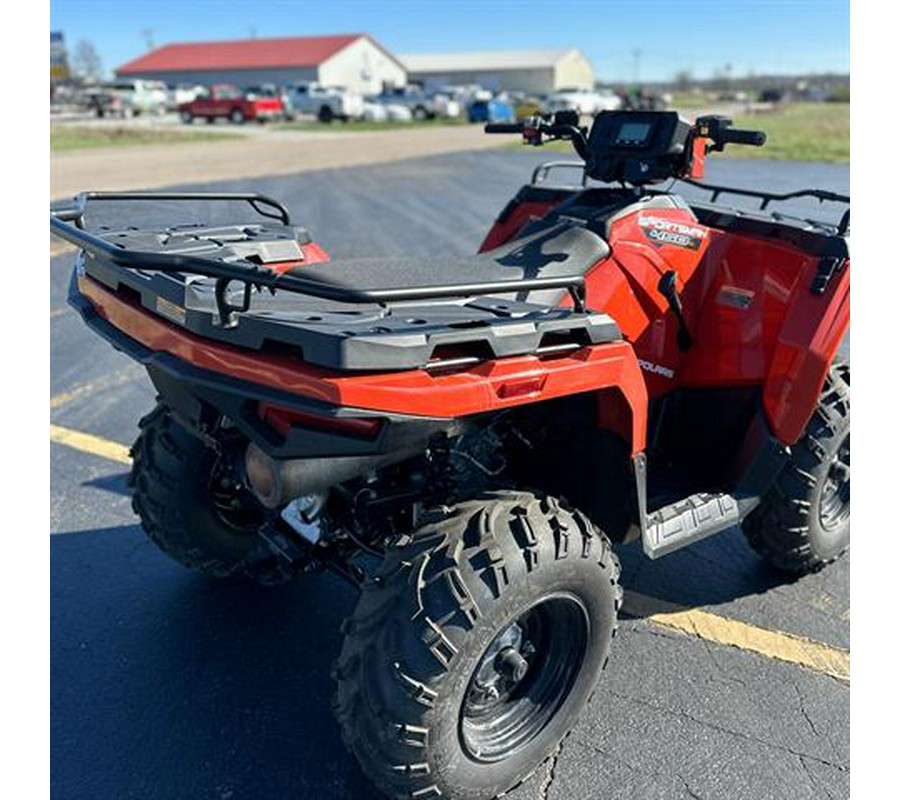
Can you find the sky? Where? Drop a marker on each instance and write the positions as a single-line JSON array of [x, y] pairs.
[[625, 40]]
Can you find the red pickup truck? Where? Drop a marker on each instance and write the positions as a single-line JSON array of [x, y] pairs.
[[230, 103]]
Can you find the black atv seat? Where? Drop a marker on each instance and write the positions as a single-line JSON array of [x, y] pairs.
[[559, 250]]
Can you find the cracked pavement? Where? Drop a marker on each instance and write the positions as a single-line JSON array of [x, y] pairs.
[[167, 686]]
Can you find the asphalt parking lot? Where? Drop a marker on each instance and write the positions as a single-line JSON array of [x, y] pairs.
[[165, 685]]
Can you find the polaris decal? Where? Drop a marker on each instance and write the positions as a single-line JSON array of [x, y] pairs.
[[664, 231], [656, 369]]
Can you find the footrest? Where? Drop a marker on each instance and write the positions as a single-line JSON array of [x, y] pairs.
[[688, 521]]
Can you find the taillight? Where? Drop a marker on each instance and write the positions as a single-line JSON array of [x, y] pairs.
[[283, 419]]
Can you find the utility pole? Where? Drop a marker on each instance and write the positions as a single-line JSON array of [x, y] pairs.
[[147, 33]]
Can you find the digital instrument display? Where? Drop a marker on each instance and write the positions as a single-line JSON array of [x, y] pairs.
[[637, 147], [633, 134]]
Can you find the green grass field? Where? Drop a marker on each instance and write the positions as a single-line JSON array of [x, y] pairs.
[[799, 132], [356, 126], [796, 132], [75, 137]]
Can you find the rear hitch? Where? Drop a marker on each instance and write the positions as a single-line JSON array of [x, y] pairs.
[[282, 554], [278, 558]]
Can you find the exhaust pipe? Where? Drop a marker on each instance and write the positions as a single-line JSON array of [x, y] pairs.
[[278, 481]]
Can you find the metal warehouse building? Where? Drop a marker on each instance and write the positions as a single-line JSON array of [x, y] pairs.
[[536, 71], [356, 61]]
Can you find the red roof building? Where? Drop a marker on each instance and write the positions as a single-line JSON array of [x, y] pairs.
[[356, 61]]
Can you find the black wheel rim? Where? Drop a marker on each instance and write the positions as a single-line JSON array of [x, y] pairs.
[[523, 678], [834, 503]]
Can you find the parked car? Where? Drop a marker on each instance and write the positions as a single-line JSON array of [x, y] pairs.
[[526, 105], [640, 99], [374, 112], [225, 101], [491, 111], [326, 103], [585, 101], [271, 90], [182, 93], [141, 97], [445, 106], [423, 105], [398, 113], [100, 101], [126, 98], [771, 95], [465, 94], [419, 104]]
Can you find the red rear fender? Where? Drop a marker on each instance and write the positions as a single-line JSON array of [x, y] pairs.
[[484, 387]]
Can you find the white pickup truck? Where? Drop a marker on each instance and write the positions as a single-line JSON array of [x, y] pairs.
[[584, 101], [326, 103]]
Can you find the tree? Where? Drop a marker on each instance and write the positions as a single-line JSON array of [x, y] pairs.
[[684, 80], [86, 63]]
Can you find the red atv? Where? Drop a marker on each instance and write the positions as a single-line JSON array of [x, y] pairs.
[[463, 438]]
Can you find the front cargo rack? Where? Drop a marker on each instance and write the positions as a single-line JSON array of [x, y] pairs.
[[542, 171], [822, 195]]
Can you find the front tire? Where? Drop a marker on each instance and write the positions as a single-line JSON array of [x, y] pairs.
[[195, 512], [803, 523], [471, 654]]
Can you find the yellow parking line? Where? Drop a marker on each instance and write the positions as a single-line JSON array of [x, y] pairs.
[[58, 247], [88, 443], [778, 645], [833, 661], [84, 389]]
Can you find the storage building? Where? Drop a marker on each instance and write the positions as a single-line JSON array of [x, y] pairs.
[[532, 71], [355, 61]]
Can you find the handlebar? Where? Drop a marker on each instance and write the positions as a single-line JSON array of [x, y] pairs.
[[504, 127], [537, 129], [718, 130], [739, 136]]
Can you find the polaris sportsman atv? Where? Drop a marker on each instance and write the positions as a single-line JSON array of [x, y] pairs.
[[463, 438]]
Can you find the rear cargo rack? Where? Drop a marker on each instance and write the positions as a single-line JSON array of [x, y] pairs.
[[75, 212], [255, 276]]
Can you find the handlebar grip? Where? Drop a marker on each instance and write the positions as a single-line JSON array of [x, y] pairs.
[[504, 127], [738, 136]]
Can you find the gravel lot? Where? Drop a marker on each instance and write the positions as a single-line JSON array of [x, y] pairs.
[[167, 686], [262, 152]]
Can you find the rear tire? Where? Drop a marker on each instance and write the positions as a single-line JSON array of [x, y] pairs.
[[237, 116], [199, 519], [471, 654], [187, 117], [803, 523], [326, 115]]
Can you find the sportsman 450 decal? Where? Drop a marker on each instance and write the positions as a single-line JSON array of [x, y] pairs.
[[662, 231]]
